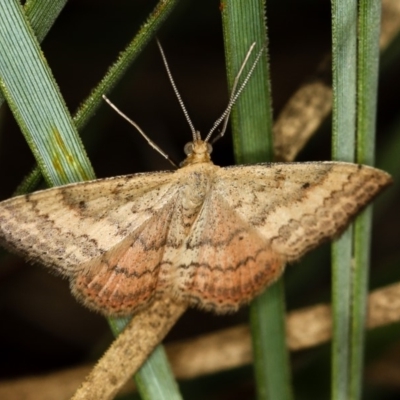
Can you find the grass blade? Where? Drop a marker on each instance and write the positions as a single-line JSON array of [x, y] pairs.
[[243, 24], [344, 33], [155, 380], [36, 102], [41, 14], [367, 84]]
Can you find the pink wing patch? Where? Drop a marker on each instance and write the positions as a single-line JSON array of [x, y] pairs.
[[125, 279], [230, 261]]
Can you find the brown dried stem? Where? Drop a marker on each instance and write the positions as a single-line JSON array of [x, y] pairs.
[[129, 350]]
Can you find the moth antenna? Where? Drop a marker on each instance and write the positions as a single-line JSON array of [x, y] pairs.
[[234, 94], [195, 134], [149, 141]]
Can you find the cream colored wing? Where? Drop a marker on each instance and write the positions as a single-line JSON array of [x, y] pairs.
[[256, 218], [296, 206], [66, 227]]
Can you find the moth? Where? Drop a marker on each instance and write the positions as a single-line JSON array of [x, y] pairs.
[[208, 236]]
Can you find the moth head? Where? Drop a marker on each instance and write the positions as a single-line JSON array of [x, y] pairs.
[[196, 152]]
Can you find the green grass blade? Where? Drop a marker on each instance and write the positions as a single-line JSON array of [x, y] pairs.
[[344, 33], [344, 41], [244, 23], [271, 357], [155, 380], [41, 14], [29, 183], [36, 102], [367, 84], [341, 302]]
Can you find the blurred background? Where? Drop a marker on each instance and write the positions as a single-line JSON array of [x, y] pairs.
[[44, 328]]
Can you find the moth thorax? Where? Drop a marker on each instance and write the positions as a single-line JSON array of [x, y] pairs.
[[196, 190]]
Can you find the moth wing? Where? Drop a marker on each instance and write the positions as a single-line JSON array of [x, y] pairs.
[[258, 217], [67, 226], [296, 206], [127, 277], [225, 262]]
